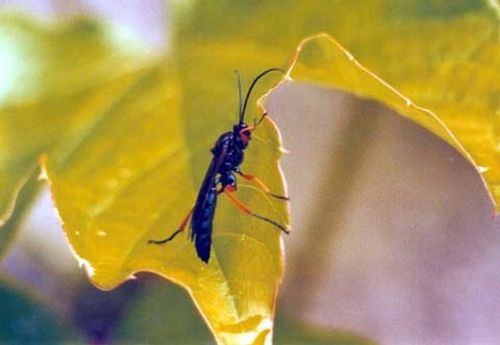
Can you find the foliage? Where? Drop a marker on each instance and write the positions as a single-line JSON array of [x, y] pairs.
[[24, 320], [124, 136]]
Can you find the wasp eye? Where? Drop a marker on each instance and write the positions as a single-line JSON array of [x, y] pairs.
[[245, 135], [246, 132]]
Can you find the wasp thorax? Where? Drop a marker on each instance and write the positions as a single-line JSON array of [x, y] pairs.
[[228, 179]]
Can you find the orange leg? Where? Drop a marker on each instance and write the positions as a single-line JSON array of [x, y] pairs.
[[180, 229], [262, 185], [229, 190]]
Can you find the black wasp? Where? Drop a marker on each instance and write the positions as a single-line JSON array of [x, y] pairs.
[[221, 178]]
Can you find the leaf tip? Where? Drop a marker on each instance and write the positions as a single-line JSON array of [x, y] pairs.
[[85, 264]]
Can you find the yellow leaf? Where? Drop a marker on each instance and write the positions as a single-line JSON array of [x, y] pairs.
[[127, 139], [125, 156], [47, 76], [131, 179], [454, 81]]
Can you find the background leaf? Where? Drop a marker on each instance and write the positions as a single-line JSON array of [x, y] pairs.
[[43, 91], [25, 321], [9, 229], [147, 321]]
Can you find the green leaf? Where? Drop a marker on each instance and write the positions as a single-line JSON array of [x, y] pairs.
[[147, 321], [26, 321], [9, 230]]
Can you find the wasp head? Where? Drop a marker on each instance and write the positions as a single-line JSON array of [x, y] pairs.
[[242, 134]]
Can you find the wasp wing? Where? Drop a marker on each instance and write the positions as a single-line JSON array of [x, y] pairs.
[[204, 209]]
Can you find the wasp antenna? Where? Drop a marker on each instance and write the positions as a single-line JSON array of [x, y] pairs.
[[242, 116], [256, 123]]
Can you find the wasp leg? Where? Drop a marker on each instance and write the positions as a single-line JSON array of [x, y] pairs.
[[262, 185], [228, 190], [180, 229]]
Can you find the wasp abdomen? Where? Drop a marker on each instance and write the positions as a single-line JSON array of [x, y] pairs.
[[201, 226]]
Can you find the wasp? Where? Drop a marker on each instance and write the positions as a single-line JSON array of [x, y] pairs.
[[220, 178]]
